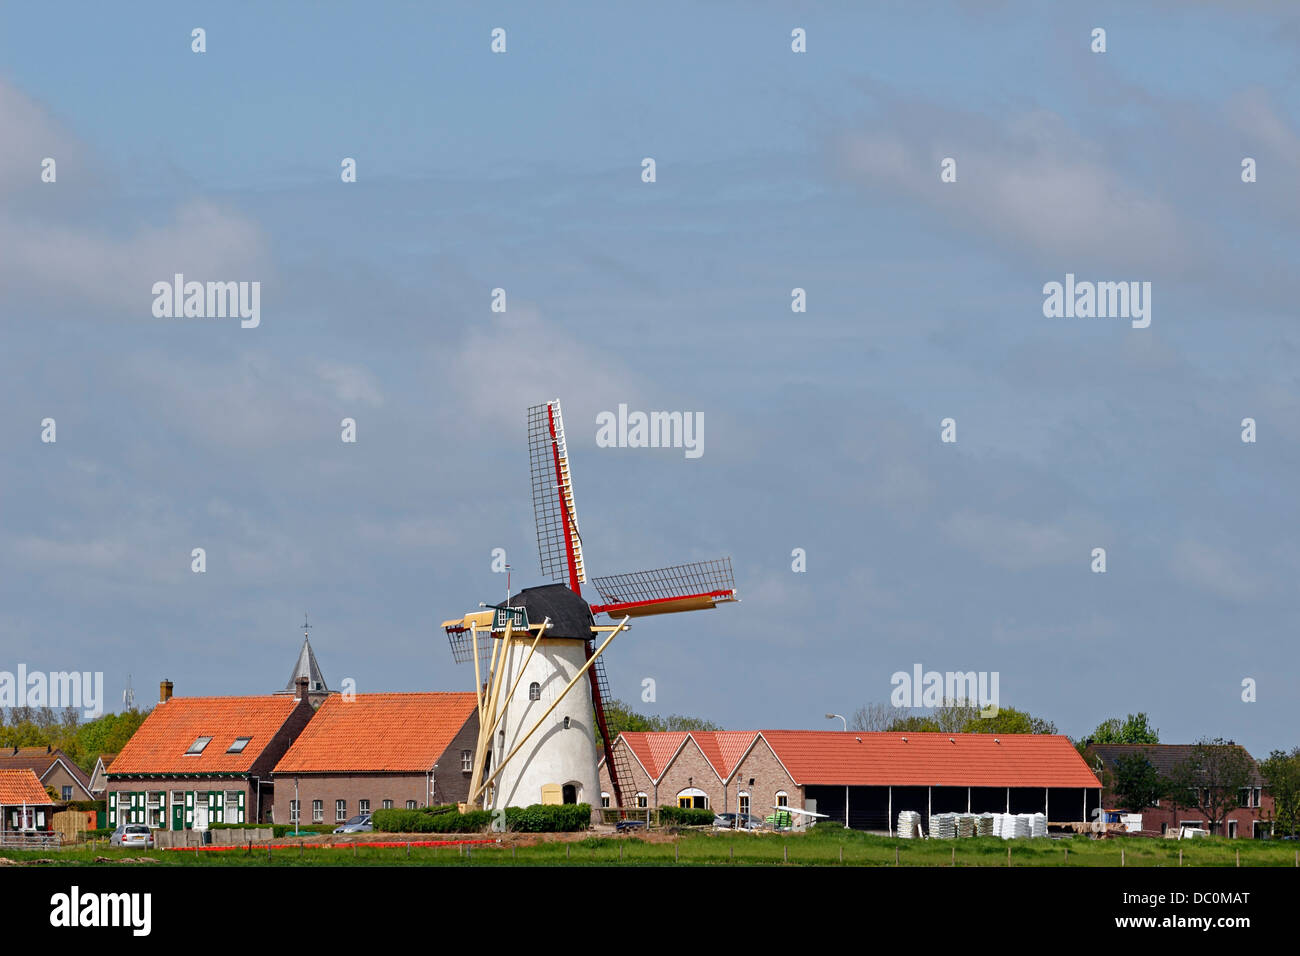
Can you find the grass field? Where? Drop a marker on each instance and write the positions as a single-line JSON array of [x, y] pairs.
[[836, 848]]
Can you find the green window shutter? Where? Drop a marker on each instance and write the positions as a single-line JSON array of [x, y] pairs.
[[241, 807], [112, 810], [189, 808]]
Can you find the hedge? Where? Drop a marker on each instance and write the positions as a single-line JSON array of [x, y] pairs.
[[549, 818], [685, 816], [537, 818]]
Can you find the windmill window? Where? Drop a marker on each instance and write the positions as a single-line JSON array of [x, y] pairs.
[[196, 748], [239, 745], [642, 801], [604, 799], [534, 691], [466, 761], [782, 798]]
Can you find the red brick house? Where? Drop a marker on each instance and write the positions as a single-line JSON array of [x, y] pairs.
[[52, 767], [369, 752], [25, 806], [1252, 819], [214, 754], [861, 779]]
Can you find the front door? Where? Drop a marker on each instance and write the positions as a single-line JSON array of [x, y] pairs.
[[178, 811]]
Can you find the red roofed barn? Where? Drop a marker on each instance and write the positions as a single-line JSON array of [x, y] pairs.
[[861, 779]]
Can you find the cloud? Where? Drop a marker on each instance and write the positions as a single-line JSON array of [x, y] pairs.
[[1030, 180], [1216, 570], [61, 249], [1019, 544]]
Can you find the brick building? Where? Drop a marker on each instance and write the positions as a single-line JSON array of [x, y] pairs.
[[53, 768], [862, 779], [1253, 818], [214, 753], [374, 751]]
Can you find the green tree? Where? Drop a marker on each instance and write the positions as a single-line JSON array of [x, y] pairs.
[[956, 717], [1282, 774], [1133, 729], [1136, 783], [621, 718], [1211, 779]]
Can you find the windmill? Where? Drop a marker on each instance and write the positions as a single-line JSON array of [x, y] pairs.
[[538, 672]]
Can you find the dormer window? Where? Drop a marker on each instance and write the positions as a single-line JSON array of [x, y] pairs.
[[239, 745], [196, 748]]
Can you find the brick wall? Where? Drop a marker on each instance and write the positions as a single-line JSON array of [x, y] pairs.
[[761, 765]]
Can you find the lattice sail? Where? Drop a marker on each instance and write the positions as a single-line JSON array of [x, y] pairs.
[[682, 587], [559, 544]]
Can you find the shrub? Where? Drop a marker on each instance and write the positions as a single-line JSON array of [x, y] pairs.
[[431, 820], [549, 818], [685, 817], [445, 819]]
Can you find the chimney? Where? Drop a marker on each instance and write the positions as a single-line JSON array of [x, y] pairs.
[[300, 686], [164, 691]]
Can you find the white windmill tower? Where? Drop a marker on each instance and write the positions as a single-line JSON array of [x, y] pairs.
[[539, 677]]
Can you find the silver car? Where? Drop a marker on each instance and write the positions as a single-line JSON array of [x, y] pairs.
[[358, 824], [132, 834]]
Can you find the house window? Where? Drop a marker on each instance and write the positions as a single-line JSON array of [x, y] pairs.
[[604, 799], [466, 762], [67, 793], [782, 798], [198, 745], [1232, 829], [363, 806], [693, 798], [410, 804], [388, 804], [232, 807], [642, 801], [239, 745], [744, 801], [318, 811], [340, 810], [534, 691], [155, 806], [293, 811]]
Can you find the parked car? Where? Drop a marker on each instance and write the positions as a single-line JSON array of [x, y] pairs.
[[358, 824], [728, 821], [132, 834]]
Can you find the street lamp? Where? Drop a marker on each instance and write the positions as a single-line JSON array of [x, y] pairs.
[[841, 717]]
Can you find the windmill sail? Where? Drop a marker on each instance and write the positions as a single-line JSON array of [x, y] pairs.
[[558, 542], [682, 587]]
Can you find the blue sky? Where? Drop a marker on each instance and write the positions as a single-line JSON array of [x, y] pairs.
[[775, 170]]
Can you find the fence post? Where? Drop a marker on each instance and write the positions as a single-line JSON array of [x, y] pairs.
[[785, 852], [1121, 856], [895, 854], [1008, 854]]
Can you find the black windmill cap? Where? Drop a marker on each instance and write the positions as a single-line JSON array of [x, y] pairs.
[[570, 615]]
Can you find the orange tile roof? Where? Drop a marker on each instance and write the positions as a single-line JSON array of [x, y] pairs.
[[724, 748], [379, 732], [927, 759], [22, 786], [654, 748], [159, 745]]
